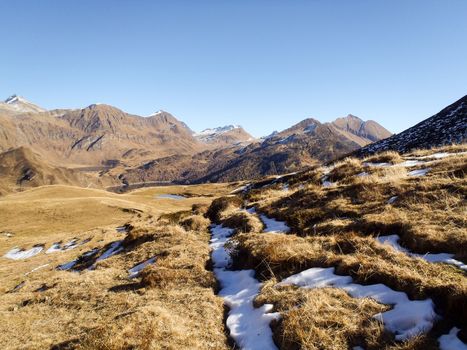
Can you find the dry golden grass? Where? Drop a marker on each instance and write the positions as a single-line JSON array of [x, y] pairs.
[[196, 223], [345, 169], [324, 318], [242, 221], [336, 227], [385, 157], [454, 148], [171, 306], [221, 205]]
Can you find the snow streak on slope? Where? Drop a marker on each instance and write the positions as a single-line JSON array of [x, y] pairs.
[[393, 241], [249, 326], [134, 271]]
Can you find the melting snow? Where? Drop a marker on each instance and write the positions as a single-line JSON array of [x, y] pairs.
[[220, 236], [36, 268], [115, 248], [328, 183], [418, 172], [19, 254], [134, 272], [440, 155], [392, 200], [56, 247], [406, 319], [171, 196], [393, 241], [241, 189], [410, 163], [67, 266], [451, 341], [249, 326], [362, 174], [378, 165], [273, 225]]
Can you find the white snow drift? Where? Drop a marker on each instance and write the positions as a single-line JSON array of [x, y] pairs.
[[20, 254], [249, 326], [273, 225], [134, 271], [393, 241]]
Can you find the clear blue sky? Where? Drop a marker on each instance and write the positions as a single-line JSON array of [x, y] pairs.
[[264, 64]]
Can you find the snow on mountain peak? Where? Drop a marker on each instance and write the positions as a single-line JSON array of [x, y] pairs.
[[13, 99], [18, 104], [156, 113], [218, 130]]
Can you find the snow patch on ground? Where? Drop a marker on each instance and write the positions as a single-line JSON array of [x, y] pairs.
[[67, 266], [451, 341], [249, 326], [57, 247], [410, 163], [419, 172], [171, 196], [220, 255], [241, 189], [273, 225], [392, 200], [377, 165], [134, 271], [406, 319], [115, 248], [36, 268], [20, 254], [441, 155], [121, 229], [393, 241]]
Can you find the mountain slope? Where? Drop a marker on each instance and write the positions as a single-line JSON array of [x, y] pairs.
[[302, 145], [21, 168], [359, 131], [446, 127], [97, 135]]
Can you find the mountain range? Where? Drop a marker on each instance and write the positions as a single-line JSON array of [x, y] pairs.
[[101, 145]]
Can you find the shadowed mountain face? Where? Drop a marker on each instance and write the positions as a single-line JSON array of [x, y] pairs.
[[446, 127], [21, 168]]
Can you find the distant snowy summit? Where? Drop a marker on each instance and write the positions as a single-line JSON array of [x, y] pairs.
[[229, 134], [18, 104], [217, 131]]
